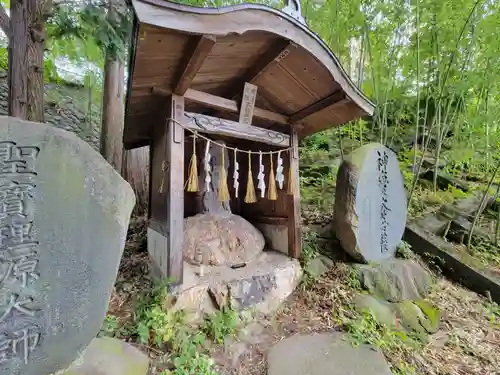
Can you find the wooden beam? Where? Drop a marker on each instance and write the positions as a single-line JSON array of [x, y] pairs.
[[195, 60], [166, 216], [217, 102], [294, 225], [279, 50], [175, 157], [215, 125], [248, 104], [337, 96], [127, 145]]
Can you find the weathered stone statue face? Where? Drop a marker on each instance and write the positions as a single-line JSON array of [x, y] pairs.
[[64, 214]]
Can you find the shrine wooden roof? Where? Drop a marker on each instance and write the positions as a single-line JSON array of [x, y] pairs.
[[207, 55]]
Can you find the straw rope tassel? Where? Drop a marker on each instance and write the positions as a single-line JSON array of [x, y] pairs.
[[250, 196], [193, 170], [272, 193], [223, 189], [291, 179]]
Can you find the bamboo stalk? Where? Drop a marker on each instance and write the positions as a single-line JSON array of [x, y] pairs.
[[441, 86], [497, 224], [481, 205], [417, 115]]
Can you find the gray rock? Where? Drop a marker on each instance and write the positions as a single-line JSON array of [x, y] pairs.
[[221, 240], [318, 266], [370, 203], [252, 290], [261, 285], [430, 162], [321, 354], [64, 215], [413, 316], [381, 310], [245, 292], [418, 317], [108, 356], [396, 280], [60, 112]]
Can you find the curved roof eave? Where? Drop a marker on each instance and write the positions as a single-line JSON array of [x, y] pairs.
[[190, 19]]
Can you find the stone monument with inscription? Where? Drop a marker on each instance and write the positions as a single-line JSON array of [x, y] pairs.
[[64, 213], [370, 203]]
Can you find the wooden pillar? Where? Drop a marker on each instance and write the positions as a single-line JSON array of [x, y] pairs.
[[166, 213], [294, 221]]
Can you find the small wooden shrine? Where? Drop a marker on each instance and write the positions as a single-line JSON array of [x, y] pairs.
[[248, 79]]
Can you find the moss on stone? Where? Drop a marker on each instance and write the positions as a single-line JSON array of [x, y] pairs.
[[419, 317], [396, 280], [380, 310], [410, 315], [432, 315]]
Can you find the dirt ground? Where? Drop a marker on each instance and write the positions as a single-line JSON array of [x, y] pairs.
[[468, 341]]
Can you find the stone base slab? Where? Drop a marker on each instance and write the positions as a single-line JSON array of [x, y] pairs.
[[262, 284]]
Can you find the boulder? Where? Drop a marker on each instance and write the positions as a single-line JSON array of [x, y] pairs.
[[370, 203], [418, 317], [325, 353], [263, 284], [225, 239], [395, 280], [382, 311], [413, 316], [64, 214], [109, 356], [318, 266]]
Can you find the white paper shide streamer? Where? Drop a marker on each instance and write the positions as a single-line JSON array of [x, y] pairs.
[[261, 178], [208, 178], [236, 175], [280, 178]]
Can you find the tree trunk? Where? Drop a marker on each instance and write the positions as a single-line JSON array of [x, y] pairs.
[[26, 32], [113, 103], [113, 113], [18, 59], [136, 172], [36, 44]]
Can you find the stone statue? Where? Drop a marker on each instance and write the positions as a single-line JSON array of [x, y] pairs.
[[216, 236]]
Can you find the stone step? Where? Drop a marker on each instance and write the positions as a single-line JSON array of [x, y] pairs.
[[109, 356], [324, 354]]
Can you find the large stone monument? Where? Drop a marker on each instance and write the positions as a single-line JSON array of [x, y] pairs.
[[370, 203], [64, 213]]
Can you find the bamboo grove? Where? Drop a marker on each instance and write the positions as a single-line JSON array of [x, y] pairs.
[[431, 66]]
